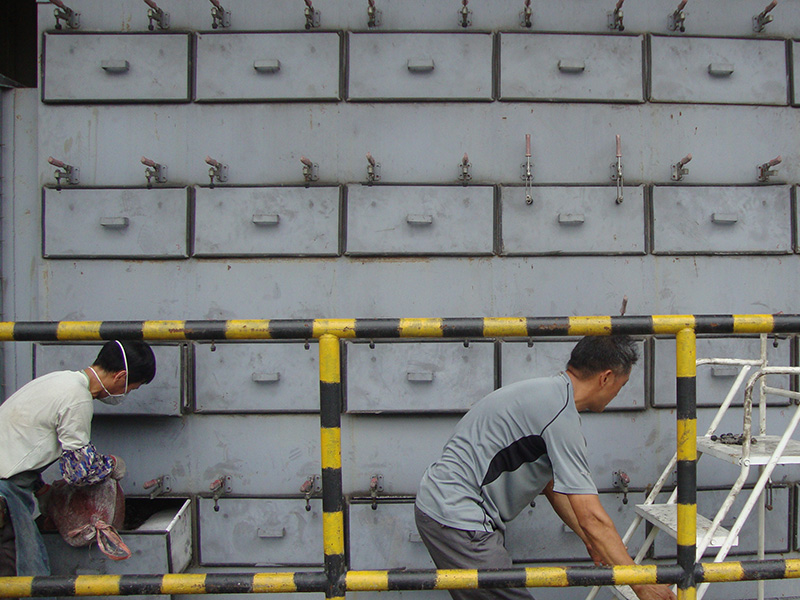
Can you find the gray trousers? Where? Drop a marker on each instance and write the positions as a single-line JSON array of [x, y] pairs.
[[458, 549]]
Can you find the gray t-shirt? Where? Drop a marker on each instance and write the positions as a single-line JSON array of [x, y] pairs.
[[504, 452]]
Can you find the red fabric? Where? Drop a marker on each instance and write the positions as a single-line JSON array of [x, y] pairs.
[[83, 514]]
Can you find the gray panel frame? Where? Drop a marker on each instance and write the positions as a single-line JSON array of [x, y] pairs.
[[298, 61], [722, 220], [573, 220], [284, 374], [420, 220], [431, 368], [420, 67], [305, 221], [133, 223], [81, 95], [760, 82], [281, 522], [589, 62]]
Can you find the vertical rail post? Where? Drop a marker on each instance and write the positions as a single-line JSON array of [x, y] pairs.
[[686, 387], [330, 393]]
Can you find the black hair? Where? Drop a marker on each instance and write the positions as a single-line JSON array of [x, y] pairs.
[[139, 355], [594, 354]]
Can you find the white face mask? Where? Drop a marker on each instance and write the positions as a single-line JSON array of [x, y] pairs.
[[114, 399]]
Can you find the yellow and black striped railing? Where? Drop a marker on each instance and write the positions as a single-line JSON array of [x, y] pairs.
[[364, 581], [282, 329], [336, 579]]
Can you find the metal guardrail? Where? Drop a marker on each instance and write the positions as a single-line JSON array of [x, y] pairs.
[[336, 579]]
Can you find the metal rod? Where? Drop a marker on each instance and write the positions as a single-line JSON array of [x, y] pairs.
[[686, 388], [330, 393], [458, 327], [288, 582]]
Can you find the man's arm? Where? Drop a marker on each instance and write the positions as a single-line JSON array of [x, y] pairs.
[[606, 542], [563, 509]]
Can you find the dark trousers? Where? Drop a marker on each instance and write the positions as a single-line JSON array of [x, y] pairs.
[[458, 549], [8, 550]]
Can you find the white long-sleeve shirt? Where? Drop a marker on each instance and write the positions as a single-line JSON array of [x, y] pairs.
[[49, 415]]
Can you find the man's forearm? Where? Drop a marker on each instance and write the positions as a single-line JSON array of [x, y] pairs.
[[607, 543], [563, 509]]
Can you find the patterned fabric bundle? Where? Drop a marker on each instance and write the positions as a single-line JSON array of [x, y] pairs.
[[83, 514]]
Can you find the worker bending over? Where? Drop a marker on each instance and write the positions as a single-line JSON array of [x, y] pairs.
[[520, 441], [50, 419]]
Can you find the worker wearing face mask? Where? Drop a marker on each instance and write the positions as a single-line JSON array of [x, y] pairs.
[[47, 420]]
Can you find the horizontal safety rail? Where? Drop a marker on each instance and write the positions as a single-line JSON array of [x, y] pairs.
[[336, 580], [361, 581], [283, 329]]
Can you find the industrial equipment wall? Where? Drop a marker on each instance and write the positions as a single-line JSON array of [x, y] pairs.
[[298, 223]]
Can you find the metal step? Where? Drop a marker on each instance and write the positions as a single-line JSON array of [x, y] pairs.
[[760, 452], [624, 592], [665, 517]]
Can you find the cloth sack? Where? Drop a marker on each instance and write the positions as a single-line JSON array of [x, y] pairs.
[[84, 514]]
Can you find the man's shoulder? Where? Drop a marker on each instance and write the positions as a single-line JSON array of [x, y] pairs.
[[554, 384], [60, 384], [518, 397]]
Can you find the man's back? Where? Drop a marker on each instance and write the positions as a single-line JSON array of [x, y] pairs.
[[501, 456], [46, 413]]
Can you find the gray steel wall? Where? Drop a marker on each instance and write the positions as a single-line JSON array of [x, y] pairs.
[[417, 92]]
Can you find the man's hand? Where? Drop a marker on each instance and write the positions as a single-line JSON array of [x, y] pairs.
[[120, 469], [654, 592], [596, 558]]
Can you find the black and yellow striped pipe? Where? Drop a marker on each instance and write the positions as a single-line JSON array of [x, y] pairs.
[[128, 585], [330, 393], [357, 581], [467, 327], [686, 388]]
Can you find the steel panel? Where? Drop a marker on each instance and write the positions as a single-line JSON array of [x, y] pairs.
[[262, 454], [732, 220], [372, 444], [260, 531], [597, 68], [724, 71], [266, 378], [537, 534], [115, 68], [420, 220], [386, 538], [420, 66], [162, 544], [420, 143], [164, 396], [520, 360], [115, 223], [572, 220], [267, 66], [418, 376], [776, 528], [714, 381], [266, 221]]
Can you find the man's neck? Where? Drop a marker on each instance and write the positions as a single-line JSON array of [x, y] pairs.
[[580, 389]]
